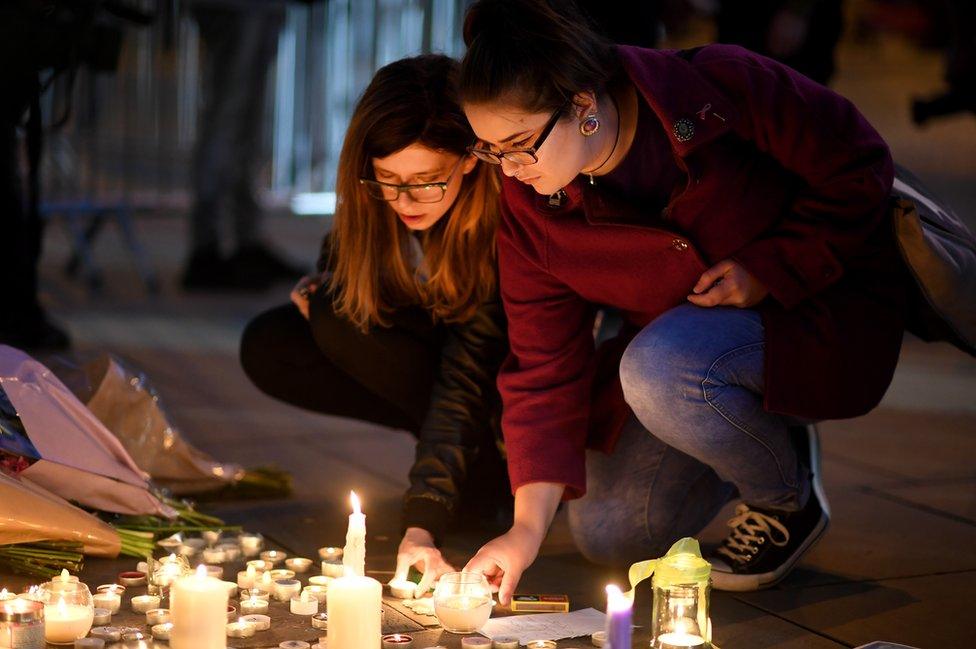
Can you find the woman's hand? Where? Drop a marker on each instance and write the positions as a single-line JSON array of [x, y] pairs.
[[417, 549], [304, 289], [728, 284], [504, 559]]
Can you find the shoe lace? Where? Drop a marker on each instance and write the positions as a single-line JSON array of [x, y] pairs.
[[751, 528]]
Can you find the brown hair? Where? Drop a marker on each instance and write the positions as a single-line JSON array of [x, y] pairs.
[[535, 53], [413, 100]]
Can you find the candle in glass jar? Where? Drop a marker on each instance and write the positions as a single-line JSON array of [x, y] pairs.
[[354, 554], [462, 613], [619, 616], [198, 610], [143, 603], [65, 623]]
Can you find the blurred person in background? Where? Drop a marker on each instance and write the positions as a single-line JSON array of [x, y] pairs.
[[803, 34], [239, 43]]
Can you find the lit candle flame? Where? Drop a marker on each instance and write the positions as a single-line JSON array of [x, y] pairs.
[[354, 499], [616, 600], [201, 571], [64, 575], [251, 572], [172, 557], [4, 594], [62, 607]]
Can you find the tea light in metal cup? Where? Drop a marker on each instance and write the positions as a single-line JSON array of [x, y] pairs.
[[217, 572], [109, 600], [320, 580], [102, 617], [254, 605], [304, 605], [157, 616], [251, 544], [231, 588], [231, 612], [211, 536], [256, 593], [240, 629], [397, 641], [245, 578], [475, 642], [106, 633], [599, 639], [331, 561], [318, 592], [144, 603], [190, 547], [281, 573], [162, 631], [134, 636], [294, 644], [274, 556], [132, 578], [22, 623], [541, 644], [298, 564], [232, 551], [320, 621], [402, 588], [89, 643], [260, 622], [285, 589], [260, 565], [505, 642], [213, 555], [118, 589], [320, 644], [171, 543]]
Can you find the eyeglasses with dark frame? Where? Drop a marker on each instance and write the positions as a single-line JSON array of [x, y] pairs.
[[520, 156], [421, 193]]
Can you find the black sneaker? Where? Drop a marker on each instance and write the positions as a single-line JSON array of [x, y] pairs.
[[764, 545]]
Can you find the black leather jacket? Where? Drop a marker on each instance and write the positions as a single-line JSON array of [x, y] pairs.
[[464, 417]]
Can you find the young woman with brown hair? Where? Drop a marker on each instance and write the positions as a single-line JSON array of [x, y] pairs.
[[736, 214], [403, 327]]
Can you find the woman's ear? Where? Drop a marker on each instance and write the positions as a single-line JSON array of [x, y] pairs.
[[584, 103], [468, 165]]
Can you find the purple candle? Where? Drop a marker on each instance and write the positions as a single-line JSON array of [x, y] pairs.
[[619, 614]]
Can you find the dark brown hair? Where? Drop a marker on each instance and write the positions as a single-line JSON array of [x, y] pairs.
[[536, 54], [411, 101]]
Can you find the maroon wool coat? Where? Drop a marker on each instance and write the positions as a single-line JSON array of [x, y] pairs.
[[784, 176]]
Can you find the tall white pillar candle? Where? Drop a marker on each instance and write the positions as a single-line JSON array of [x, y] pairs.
[[354, 554], [355, 604], [198, 610]]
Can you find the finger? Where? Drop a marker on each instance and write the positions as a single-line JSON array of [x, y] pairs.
[[481, 563], [711, 276], [713, 297], [404, 561], [510, 582], [430, 575]]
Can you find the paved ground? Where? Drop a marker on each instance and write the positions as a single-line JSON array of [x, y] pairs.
[[900, 557]]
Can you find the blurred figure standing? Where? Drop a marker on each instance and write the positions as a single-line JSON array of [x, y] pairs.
[[960, 67], [239, 42], [803, 34]]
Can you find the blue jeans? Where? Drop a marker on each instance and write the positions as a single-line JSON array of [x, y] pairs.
[[700, 437]]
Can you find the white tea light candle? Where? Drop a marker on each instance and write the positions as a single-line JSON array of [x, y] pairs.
[[245, 579], [240, 629], [144, 603], [397, 641], [285, 589], [101, 616], [108, 600], [162, 631], [304, 605], [157, 616], [475, 642], [260, 622], [254, 605], [298, 564], [274, 556]]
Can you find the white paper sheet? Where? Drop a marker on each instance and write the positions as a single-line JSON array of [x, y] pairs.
[[546, 626]]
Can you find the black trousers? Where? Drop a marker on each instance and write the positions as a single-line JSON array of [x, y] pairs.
[[326, 365]]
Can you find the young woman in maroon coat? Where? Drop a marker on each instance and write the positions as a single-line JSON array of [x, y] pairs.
[[735, 214]]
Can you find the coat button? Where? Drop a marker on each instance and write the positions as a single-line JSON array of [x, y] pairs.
[[679, 245]]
